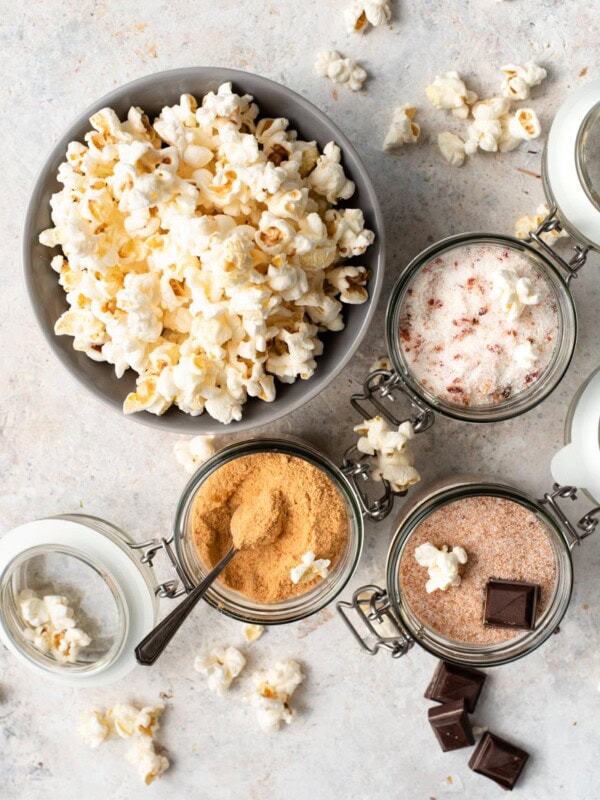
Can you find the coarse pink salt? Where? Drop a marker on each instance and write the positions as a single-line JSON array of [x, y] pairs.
[[502, 540], [456, 339]]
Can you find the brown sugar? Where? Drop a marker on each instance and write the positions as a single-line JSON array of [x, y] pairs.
[[312, 517], [258, 524], [502, 540]]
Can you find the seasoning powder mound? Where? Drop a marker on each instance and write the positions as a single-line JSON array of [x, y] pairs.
[[502, 540], [313, 518]]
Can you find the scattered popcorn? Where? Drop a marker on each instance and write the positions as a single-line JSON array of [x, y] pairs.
[[310, 568], [530, 222], [192, 453], [363, 13], [518, 80], [442, 566], [452, 148], [221, 666], [526, 355], [94, 728], [403, 130], [393, 457], [51, 626], [125, 721], [252, 632], [513, 293], [347, 71], [149, 764], [448, 92], [273, 689], [195, 251]]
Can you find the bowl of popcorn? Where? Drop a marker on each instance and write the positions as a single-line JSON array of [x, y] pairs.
[[203, 247]]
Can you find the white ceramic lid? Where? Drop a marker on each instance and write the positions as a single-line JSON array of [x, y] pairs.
[[572, 162], [122, 571], [578, 463]]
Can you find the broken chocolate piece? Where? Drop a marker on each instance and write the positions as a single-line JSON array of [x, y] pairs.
[[498, 760], [451, 725], [454, 682], [511, 604]]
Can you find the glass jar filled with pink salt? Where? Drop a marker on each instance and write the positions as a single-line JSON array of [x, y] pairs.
[[481, 327], [478, 573]]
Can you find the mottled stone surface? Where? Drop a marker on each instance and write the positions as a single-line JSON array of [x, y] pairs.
[[361, 730]]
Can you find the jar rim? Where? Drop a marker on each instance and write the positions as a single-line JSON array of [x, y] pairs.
[[236, 605], [449, 490], [519, 403]]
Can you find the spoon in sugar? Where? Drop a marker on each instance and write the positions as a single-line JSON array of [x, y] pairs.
[[255, 524]]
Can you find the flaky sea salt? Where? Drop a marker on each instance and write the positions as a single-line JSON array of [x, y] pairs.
[[456, 337]]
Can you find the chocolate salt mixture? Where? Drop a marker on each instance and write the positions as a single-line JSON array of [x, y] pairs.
[[287, 507], [503, 540]]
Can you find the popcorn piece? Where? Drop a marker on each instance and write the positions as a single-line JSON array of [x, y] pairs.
[[347, 71], [513, 293], [94, 728], [393, 457], [383, 362], [442, 566], [448, 92], [310, 568], [452, 148], [192, 453], [403, 130], [273, 689], [52, 626], [364, 12], [221, 666], [252, 632], [202, 265], [148, 763], [526, 355], [523, 125], [530, 222], [518, 80], [328, 177], [33, 610], [486, 129]]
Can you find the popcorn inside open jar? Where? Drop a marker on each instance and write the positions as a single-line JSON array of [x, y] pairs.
[[204, 251]]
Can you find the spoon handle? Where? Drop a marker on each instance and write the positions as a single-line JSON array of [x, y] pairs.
[[150, 648]]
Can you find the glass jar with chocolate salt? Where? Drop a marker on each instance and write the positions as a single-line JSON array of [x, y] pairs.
[[478, 573], [482, 326]]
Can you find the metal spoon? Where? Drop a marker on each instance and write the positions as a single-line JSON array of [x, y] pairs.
[[150, 648]]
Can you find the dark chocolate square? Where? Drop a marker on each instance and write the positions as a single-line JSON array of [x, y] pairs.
[[455, 682], [498, 760], [451, 725], [511, 604]]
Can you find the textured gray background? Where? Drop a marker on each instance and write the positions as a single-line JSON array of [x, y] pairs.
[[361, 730]]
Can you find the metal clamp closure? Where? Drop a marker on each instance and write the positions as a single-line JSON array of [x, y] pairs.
[[149, 550], [585, 526], [372, 605], [380, 387], [552, 223]]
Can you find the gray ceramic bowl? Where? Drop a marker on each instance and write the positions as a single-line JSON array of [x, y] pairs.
[[152, 93]]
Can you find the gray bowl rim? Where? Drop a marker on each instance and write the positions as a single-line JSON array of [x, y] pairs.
[[314, 385]]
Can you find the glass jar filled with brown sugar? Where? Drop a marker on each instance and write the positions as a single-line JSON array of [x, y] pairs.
[[313, 552]]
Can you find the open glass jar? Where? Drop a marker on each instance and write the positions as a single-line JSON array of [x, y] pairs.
[[383, 617], [440, 332], [109, 581]]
